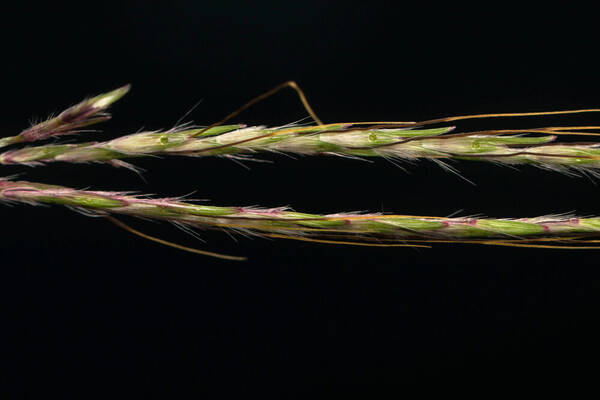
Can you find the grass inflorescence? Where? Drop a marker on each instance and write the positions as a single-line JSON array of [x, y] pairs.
[[402, 141]]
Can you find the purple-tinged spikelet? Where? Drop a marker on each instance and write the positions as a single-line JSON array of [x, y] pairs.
[[85, 113]]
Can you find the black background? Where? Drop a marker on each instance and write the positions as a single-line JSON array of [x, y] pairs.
[[95, 303]]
